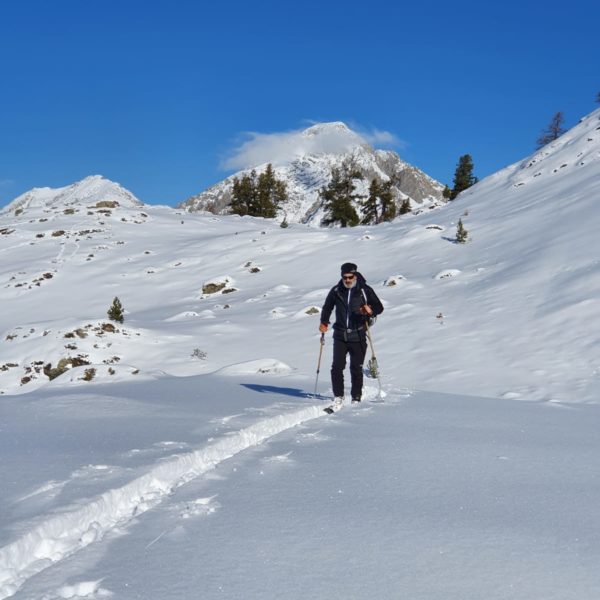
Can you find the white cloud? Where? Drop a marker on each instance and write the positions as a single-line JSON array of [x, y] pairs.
[[377, 137], [283, 147]]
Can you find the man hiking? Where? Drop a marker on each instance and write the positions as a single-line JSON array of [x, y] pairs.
[[355, 303]]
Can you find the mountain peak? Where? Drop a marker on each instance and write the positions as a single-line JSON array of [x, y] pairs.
[[90, 190], [331, 127], [331, 138], [304, 161]]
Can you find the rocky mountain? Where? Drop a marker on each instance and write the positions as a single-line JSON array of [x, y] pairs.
[[321, 148], [87, 192]]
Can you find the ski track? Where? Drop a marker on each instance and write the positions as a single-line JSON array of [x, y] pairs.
[[64, 534]]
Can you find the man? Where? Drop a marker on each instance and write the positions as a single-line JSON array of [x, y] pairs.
[[355, 303]]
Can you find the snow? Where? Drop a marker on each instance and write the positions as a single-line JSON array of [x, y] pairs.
[[196, 461]]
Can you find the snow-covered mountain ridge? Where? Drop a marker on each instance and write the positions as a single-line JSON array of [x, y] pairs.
[[306, 169], [517, 299], [88, 191]]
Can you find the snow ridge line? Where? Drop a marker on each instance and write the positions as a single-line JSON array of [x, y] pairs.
[[66, 533]]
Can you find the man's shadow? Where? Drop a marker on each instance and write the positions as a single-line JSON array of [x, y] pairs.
[[271, 389]]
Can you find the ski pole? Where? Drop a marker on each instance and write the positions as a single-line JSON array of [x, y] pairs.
[[374, 358], [319, 363]]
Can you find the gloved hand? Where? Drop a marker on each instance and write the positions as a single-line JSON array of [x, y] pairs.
[[323, 327], [365, 309]]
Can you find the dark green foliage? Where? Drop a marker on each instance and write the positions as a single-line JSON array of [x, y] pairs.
[[369, 206], [405, 207], [553, 131], [338, 197], [379, 205], [243, 195], [461, 232], [388, 205], [447, 193], [270, 193], [463, 176], [115, 312], [258, 196]]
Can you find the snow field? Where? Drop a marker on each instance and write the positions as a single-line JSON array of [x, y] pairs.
[[425, 496], [62, 535]]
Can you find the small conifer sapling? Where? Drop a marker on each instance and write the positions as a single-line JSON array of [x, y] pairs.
[[405, 207], [115, 312], [461, 232]]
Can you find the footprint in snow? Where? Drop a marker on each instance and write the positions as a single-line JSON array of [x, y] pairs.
[[156, 448], [312, 437], [196, 508], [48, 490], [225, 420], [83, 589], [278, 458]]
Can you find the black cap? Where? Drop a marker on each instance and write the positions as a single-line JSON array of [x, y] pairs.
[[349, 268]]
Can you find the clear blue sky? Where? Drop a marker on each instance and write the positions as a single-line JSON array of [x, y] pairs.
[[155, 94]]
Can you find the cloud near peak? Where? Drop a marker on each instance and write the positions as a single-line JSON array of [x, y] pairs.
[[283, 147]]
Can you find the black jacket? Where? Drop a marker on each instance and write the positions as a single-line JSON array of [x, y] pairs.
[[349, 322]]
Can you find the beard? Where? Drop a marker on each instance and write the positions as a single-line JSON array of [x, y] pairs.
[[349, 284]]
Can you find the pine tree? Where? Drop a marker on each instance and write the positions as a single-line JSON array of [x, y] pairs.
[[553, 131], [447, 193], [243, 195], [405, 207], [598, 98], [115, 312], [379, 205], [270, 193], [338, 197], [369, 206], [388, 205], [258, 196], [463, 176], [461, 232]]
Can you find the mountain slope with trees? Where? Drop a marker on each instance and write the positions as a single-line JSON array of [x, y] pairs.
[[307, 174]]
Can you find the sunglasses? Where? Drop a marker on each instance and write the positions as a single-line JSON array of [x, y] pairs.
[[348, 277]]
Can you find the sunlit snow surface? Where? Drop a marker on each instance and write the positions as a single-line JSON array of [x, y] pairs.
[[197, 464]]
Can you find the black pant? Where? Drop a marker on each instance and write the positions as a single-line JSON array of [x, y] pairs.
[[357, 351]]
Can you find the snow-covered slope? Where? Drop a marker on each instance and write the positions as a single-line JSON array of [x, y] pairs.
[[307, 170], [517, 300], [182, 454]]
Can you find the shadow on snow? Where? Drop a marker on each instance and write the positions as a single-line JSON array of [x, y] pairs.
[[286, 391]]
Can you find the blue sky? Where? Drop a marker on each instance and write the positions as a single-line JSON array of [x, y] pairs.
[[157, 95]]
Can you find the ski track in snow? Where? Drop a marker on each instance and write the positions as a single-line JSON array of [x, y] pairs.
[[64, 534]]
